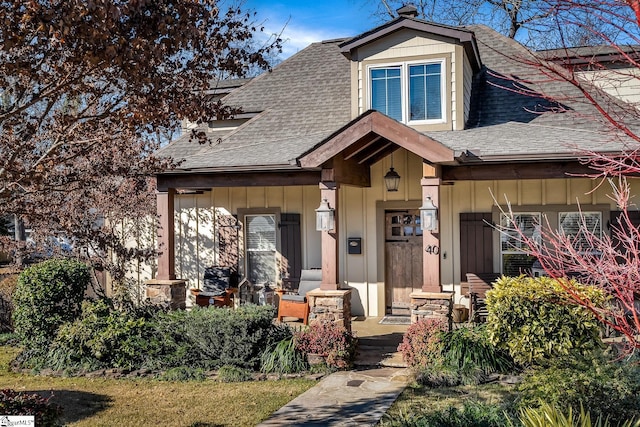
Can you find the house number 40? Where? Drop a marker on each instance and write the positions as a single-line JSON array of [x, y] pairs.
[[432, 249]]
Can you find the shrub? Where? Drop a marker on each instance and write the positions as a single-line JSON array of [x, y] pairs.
[[233, 374], [421, 344], [283, 358], [327, 339], [47, 295], [103, 337], [550, 416], [469, 352], [534, 318], [607, 388], [7, 288], [19, 403], [183, 373], [210, 338]]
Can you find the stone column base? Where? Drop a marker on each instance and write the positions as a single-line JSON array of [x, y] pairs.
[[432, 305], [330, 306], [171, 293]]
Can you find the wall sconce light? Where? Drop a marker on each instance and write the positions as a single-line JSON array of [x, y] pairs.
[[429, 215], [325, 217], [392, 179]]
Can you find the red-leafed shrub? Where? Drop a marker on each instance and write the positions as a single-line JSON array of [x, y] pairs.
[[421, 344], [329, 340], [19, 403]]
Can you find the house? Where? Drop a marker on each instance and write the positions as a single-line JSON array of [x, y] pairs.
[[462, 115]]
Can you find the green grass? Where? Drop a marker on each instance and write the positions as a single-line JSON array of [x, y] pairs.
[[419, 399], [145, 402]]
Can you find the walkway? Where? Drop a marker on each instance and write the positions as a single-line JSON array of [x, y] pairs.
[[353, 398]]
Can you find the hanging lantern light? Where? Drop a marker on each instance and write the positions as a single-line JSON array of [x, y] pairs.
[[392, 179]]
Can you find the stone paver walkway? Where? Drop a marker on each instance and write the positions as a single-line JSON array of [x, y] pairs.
[[346, 398]]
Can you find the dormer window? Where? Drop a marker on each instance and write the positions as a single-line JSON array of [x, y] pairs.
[[409, 92]]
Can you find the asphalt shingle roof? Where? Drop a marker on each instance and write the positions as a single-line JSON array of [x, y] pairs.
[[302, 101], [307, 98]]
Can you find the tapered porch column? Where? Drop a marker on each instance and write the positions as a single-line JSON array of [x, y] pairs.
[[166, 235], [431, 240], [329, 191]]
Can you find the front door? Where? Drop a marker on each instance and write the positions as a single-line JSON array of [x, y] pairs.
[[403, 259]]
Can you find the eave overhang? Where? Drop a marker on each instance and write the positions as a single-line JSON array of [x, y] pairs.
[[371, 137], [465, 37]]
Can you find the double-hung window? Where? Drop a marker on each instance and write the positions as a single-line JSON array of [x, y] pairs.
[[409, 92]]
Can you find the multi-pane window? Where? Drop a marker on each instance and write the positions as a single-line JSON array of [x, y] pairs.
[[579, 226], [386, 89], [425, 98], [261, 248], [514, 260], [408, 92], [576, 225]]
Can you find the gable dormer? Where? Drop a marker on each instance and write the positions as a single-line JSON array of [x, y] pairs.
[[416, 72]]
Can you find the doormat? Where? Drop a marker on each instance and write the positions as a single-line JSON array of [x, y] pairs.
[[395, 320]]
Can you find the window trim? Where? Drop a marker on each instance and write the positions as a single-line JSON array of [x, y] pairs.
[[550, 214], [404, 88], [242, 214]]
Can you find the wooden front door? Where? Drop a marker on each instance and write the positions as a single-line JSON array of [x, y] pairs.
[[403, 259]]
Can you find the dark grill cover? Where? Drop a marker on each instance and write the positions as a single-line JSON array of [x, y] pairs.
[[216, 280]]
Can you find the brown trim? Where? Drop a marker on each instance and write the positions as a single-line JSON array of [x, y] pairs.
[[491, 171], [359, 133], [244, 179], [465, 37]]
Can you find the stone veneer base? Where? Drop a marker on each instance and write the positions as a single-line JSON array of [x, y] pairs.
[[330, 306], [432, 305], [172, 293]]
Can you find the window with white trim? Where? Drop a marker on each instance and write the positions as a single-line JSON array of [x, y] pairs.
[[513, 260], [409, 92], [261, 248], [574, 225]]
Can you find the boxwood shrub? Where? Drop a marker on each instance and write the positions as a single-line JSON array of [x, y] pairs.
[[535, 319]]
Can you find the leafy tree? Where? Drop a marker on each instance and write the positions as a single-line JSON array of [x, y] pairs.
[[88, 88]]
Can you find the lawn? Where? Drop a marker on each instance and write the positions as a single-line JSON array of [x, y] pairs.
[[418, 399], [145, 402]]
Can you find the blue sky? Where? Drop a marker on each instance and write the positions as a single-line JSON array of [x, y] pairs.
[[312, 21]]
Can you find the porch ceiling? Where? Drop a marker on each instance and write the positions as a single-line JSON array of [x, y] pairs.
[[371, 137]]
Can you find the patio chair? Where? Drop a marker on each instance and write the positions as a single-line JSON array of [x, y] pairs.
[[479, 284], [216, 289], [296, 305]]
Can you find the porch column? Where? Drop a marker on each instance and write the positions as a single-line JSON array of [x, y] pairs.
[[165, 289], [431, 240], [329, 191], [166, 233]]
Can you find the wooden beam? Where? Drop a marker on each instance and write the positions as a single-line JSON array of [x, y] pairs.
[[370, 156], [237, 179], [364, 143], [348, 172], [347, 141], [491, 171]]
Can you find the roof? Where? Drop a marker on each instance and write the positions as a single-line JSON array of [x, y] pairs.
[[306, 99], [590, 54], [302, 101], [461, 35]]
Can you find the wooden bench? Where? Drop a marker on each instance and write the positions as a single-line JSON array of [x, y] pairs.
[[477, 285]]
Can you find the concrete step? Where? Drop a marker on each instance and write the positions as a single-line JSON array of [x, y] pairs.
[[371, 356]]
